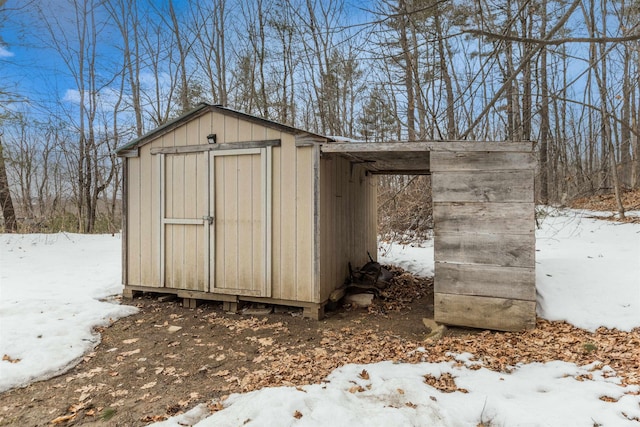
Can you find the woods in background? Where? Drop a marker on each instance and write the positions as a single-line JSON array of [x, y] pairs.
[[564, 74]]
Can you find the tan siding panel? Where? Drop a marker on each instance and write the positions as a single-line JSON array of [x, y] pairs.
[[244, 214], [348, 220], [276, 223], [145, 216], [231, 129], [134, 230], [288, 213], [245, 131], [304, 224], [230, 214], [327, 223], [485, 312], [192, 133], [217, 126], [154, 213]]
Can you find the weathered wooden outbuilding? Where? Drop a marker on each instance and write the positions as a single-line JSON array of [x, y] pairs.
[[225, 206]]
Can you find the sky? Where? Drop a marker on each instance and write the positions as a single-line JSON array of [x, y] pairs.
[[31, 70], [55, 288]]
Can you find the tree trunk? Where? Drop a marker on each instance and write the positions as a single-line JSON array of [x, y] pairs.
[[452, 131], [544, 112], [408, 72], [10, 223]]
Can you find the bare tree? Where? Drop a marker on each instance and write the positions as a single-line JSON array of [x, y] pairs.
[[75, 40], [211, 21], [125, 15], [6, 201]]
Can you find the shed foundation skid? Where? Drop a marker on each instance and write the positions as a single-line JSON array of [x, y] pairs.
[[230, 303]]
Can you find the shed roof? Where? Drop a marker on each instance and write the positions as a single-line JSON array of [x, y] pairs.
[[412, 158], [204, 108]]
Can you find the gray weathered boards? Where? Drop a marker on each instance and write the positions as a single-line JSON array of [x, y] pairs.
[[483, 210]]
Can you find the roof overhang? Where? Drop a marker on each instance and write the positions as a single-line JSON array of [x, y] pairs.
[[411, 158]]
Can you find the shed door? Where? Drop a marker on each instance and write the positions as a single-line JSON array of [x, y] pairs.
[[185, 219], [241, 236]]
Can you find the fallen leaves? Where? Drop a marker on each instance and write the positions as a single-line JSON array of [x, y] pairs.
[[607, 202], [403, 289], [7, 358], [72, 413], [356, 389], [153, 418], [445, 383], [501, 351], [498, 351], [364, 374], [63, 419], [127, 353]]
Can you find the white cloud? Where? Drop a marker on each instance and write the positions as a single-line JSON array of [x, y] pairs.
[[72, 95], [5, 53]]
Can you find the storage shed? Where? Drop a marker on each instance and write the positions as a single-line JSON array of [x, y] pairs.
[[222, 205]]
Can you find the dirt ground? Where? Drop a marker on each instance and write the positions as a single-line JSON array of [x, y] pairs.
[[166, 358]]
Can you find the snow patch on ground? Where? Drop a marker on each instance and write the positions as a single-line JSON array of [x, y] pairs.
[[416, 258], [52, 295], [397, 395], [588, 271]]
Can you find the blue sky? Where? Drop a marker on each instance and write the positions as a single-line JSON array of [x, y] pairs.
[[30, 70]]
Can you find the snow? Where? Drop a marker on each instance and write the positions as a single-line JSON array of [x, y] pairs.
[[588, 273], [415, 257], [51, 287], [397, 395]]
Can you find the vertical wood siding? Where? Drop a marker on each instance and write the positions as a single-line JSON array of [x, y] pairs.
[[239, 229], [293, 266], [185, 199], [293, 226], [348, 220]]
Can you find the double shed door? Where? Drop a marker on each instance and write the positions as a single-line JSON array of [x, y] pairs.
[[215, 211]]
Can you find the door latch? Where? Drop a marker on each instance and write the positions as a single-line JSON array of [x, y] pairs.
[[208, 218]]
